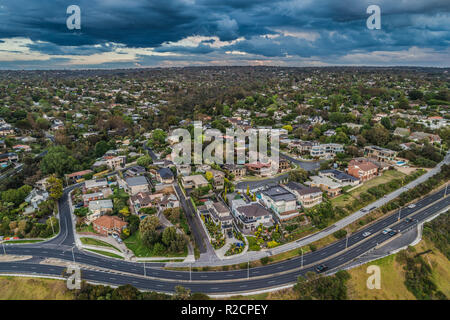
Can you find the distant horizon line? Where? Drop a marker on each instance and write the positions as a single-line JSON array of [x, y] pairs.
[[233, 66]]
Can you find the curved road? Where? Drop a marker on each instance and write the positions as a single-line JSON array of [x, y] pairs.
[[117, 272]]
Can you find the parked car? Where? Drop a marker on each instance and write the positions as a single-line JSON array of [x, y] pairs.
[[366, 234]]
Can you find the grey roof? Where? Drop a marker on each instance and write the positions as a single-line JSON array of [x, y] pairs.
[[302, 189], [278, 193], [165, 173], [339, 174], [136, 181], [253, 210]]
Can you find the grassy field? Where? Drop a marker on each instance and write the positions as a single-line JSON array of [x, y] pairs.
[[393, 276], [95, 242], [345, 199], [18, 288]]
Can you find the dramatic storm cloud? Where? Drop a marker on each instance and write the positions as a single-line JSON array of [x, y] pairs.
[[118, 33]]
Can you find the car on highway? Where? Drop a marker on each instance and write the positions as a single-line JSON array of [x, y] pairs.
[[363, 210], [392, 233], [412, 206], [387, 230], [366, 234], [321, 268]]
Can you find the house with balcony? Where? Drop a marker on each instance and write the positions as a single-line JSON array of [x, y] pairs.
[[326, 151], [237, 170], [380, 154], [98, 208], [281, 201], [249, 216], [307, 196], [362, 169], [259, 169]]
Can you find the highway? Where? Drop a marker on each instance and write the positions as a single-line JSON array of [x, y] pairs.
[[115, 272]]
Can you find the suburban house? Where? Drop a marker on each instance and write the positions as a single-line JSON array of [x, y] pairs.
[[343, 178], [362, 169], [283, 165], [281, 201], [326, 184], [184, 169], [21, 147], [380, 154], [135, 171], [307, 196], [418, 136], [259, 169], [164, 175], [104, 193], [238, 171], [137, 184], [140, 200], [328, 150], [115, 163], [195, 181], [218, 179], [218, 213], [35, 197], [98, 208], [9, 156], [169, 201], [401, 132], [73, 177], [250, 215], [108, 225], [95, 185]]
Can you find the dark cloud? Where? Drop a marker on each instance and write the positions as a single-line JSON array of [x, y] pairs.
[[339, 26]]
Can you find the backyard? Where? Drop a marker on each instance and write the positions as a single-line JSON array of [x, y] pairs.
[[349, 197]]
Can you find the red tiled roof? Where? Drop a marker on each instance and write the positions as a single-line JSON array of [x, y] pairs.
[[79, 173], [110, 222]]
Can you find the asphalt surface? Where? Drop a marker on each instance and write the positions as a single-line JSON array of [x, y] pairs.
[[216, 282]]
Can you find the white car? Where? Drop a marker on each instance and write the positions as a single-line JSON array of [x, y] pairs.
[[366, 234], [411, 206], [385, 231]]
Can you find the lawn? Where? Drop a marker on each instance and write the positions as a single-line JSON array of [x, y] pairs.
[[135, 244], [95, 242], [345, 199], [18, 288]]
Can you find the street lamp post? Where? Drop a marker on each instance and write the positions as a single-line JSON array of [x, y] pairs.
[[346, 241], [73, 255], [302, 256], [248, 266]]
